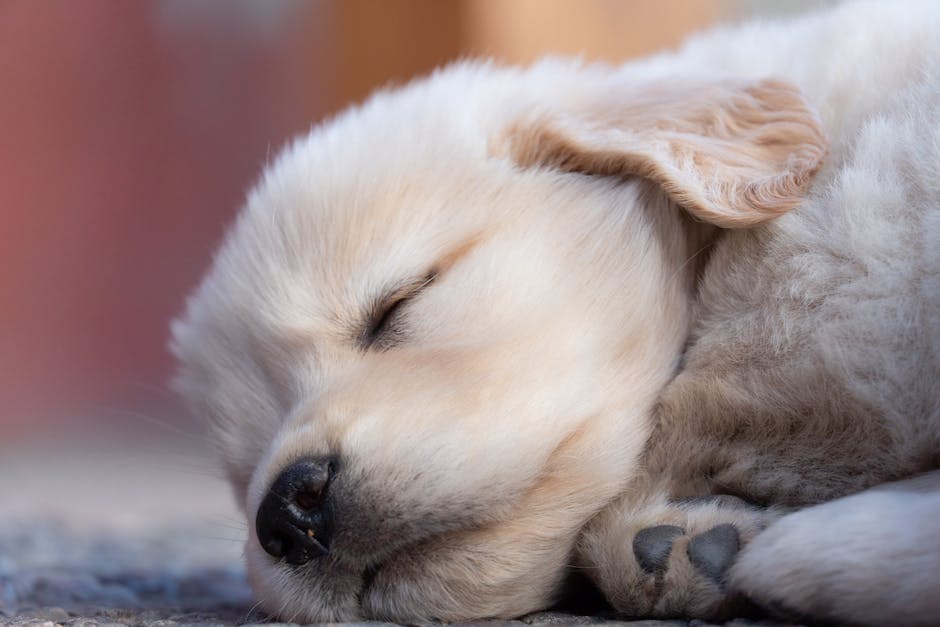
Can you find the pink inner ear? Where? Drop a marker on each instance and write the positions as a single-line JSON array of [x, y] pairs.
[[734, 155]]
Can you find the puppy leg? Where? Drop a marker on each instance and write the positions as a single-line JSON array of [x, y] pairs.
[[665, 558], [871, 558]]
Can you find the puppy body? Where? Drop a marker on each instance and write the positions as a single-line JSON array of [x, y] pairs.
[[812, 365], [580, 344], [812, 372]]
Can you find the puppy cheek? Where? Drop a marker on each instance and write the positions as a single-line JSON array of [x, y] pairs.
[[408, 589], [327, 593]]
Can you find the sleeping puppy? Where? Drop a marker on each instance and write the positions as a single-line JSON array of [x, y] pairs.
[[655, 322]]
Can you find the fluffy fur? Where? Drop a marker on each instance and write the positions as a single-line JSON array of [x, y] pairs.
[[712, 272]]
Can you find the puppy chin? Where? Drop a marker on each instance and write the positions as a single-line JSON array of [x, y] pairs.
[[319, 592]]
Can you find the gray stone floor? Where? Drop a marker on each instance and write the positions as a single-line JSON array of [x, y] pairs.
[[135, 531]]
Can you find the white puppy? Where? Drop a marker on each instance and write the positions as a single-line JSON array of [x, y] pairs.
[[502, 323]]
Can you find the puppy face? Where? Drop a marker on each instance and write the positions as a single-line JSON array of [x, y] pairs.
[[465, 334]]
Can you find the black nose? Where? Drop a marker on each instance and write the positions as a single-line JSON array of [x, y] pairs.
[[295, 519]]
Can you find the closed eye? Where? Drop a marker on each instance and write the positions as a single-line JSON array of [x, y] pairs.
[[385, 327]]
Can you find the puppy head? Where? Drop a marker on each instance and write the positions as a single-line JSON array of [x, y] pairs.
[[436, 301]]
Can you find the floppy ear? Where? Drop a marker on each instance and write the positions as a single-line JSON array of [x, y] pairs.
[[734, 154]]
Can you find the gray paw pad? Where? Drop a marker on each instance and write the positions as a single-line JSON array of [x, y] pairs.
[[652, 546], [713, 552]]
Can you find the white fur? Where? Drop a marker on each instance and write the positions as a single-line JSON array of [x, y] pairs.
[[871, 558]]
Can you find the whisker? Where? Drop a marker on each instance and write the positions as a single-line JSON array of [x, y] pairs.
[[157, 390], [250, 610], [220, 539], [229, 527], [682, 266], [166, 426]]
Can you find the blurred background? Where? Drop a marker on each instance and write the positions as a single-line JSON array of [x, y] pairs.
[[130, 131]]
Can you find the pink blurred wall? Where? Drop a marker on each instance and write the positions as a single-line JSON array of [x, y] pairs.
[[128, 134]]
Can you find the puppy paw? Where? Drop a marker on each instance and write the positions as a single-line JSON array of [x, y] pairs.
[[669, 559], [687, 570], [712, 552]]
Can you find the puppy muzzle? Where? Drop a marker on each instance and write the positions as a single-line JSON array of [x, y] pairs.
[[295, 519]]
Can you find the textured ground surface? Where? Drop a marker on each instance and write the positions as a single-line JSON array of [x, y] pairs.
[[120, 534]]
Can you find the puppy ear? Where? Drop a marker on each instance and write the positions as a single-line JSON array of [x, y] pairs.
[[732, 154]]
